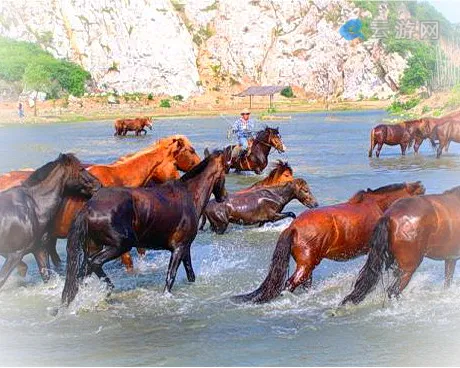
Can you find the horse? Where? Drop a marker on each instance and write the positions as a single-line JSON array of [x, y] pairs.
[[260, 205], [445, 133], [163, 216], [409, 230], [391, 135], [122, 126], [281, 173], [159, 162], [256, 160], [339, 232], [28, 210]]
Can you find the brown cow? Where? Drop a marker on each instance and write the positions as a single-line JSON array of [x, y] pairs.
[[122, 126]]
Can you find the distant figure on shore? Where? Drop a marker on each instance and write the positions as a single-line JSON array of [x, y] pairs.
[[243, 128], [122, 126], [21, 112]]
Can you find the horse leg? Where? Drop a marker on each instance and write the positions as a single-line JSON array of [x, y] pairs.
[[43, 262], [187, 261], [174, 262], [141, 252], [449, 269], [107, 254], [447, 146], [279, 216], [301, 276], [49, 244], [379, 148], [12, 260], [22, 269], [127, 261], [403, 148], [306, 285]]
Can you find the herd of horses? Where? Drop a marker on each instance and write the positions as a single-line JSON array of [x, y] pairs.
[[142, 201], [439, 131]]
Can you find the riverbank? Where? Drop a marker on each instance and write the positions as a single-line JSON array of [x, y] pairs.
[[97, 108]]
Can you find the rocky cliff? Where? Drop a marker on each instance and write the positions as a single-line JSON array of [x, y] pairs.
[[167, 47]]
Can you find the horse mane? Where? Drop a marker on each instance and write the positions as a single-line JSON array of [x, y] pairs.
[[44, 171], [359, 196], [161, 143], [278, 166], [454, 190], [198, 169]]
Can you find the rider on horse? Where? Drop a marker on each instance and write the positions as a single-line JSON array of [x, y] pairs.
[[243, 128]]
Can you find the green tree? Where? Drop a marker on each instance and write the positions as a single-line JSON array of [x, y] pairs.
[[37, 78]]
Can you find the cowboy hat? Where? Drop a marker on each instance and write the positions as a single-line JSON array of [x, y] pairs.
[[245, 111]]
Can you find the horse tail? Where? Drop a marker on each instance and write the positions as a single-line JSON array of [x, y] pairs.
[[273, 284], [371, 149], [372, 269], [76, 257]]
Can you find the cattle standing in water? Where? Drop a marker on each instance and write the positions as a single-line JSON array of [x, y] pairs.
[[339, 232], [123, 126], [164, 216], [258, 206], [409, 230], [27, 211]]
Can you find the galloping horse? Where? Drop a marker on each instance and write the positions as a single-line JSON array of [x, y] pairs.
[[159, 162], [339, 232], [257, 160], [27, 211], [391, 135], [281, 173], [411, 229], [164, 216], [258, 205], [122, 126]]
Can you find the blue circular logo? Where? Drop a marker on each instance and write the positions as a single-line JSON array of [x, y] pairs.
[[351, 30]]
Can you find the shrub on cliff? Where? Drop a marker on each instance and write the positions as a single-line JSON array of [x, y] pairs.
[[17, 56]]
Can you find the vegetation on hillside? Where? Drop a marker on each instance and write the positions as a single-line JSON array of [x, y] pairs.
[[38, 70]]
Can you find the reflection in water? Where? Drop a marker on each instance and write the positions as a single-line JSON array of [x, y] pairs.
[[197, 324]]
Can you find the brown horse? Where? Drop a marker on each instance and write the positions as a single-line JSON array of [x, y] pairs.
[[281, 173], [122, 126], [159, 162], [411, 229], [339, 232], [445, 133], [257, 159], [164, 216], [258, 205], [391, 135]]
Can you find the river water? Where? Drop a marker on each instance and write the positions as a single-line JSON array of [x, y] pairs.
[[197, 324]]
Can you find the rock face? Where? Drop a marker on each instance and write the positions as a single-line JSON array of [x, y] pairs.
[[166, 47]]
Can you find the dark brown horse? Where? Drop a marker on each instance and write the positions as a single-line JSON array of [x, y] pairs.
[[123, 126], [164, 216], [391, 135], [339, 232], [411, 229], [446, 133], [27, 211], [281, 173], [258, 205], [257, 159]]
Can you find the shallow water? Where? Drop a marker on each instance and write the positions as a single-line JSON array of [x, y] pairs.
[[197, 324]]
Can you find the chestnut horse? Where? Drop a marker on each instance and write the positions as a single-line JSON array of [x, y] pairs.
[[411, 229], [391, 135], [339, 232], [445, 133], [258, 205], [159, 162], [281, 173], [164, 216], [257, 159], [122, 126]]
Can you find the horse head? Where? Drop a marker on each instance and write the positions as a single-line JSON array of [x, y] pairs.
[[272, 138], [184, 154], [281, 173], [303, 193]]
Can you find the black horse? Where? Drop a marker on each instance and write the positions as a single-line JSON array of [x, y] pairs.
[[163, 216], [26, 211], [260, 205], [257, 159]]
